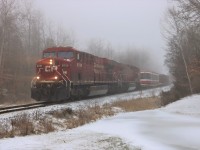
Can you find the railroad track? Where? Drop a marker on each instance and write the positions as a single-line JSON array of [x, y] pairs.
[[16, 108], [35, 105], [24, 107]]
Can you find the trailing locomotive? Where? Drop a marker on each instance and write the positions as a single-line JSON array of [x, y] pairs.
[[65, 72]]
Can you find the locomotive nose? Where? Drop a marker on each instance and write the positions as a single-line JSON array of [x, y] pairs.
[[46, 69]]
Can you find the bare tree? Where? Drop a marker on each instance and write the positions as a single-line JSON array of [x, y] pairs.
[[64, 37], [101, 48], [7, 8], [183, 42], [96, 47]]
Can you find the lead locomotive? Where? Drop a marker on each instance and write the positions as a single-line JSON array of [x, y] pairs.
[[65, 72]]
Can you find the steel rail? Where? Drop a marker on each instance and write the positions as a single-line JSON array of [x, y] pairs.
[[16, 108], [24, 107]]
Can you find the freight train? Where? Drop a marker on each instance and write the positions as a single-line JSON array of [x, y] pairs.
[[65, 72]]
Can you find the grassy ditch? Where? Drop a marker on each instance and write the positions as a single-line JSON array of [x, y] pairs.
[[67, 118], [138, 104]]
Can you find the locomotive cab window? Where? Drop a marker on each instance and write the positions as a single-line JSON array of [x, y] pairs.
[[66, 55], [49, 54]]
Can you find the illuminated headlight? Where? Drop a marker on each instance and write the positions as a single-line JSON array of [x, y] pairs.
[[38, 66], [56, 77], [37, 77], [51, 62]]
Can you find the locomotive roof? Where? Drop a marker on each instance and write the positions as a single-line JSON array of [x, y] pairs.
[[68, 48]]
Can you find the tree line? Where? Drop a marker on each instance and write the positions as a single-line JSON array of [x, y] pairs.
[[182, 33], [139, 57], [24, 32]]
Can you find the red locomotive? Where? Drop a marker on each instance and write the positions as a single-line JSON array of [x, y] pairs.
[[65, 72]]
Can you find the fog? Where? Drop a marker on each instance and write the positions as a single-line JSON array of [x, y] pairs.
[[122, 23]]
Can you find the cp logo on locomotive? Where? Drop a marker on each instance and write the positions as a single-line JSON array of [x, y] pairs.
[[50, 68]]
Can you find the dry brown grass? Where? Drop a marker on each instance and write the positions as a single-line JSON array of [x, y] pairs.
[[46, 126], [5, 131], [20, 126], [64, 113], [81, 116], [23, 125], [138, 104]]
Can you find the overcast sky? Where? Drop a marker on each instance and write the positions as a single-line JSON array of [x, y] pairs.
[[121, 22]]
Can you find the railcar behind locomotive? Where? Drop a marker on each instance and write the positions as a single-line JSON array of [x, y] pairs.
[[65, 72], [149, 79]]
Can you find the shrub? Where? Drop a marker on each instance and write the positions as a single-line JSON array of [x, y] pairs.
[[47, 126], [170, 96], [64, 113]]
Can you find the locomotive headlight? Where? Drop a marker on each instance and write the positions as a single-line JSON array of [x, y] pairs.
[[50, 61], [56, 77], [37, 77]]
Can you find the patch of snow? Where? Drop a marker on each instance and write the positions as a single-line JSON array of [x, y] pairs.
[[151, 130], [69, 140], [189, 105]]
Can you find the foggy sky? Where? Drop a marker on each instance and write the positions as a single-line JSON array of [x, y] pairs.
[[121, 22]]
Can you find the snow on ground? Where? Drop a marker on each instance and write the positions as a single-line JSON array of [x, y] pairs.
[[66, 140], [152, 130], [189, 105], [174, 127]]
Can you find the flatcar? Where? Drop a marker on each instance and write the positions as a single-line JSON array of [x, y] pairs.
[[65, 72]]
